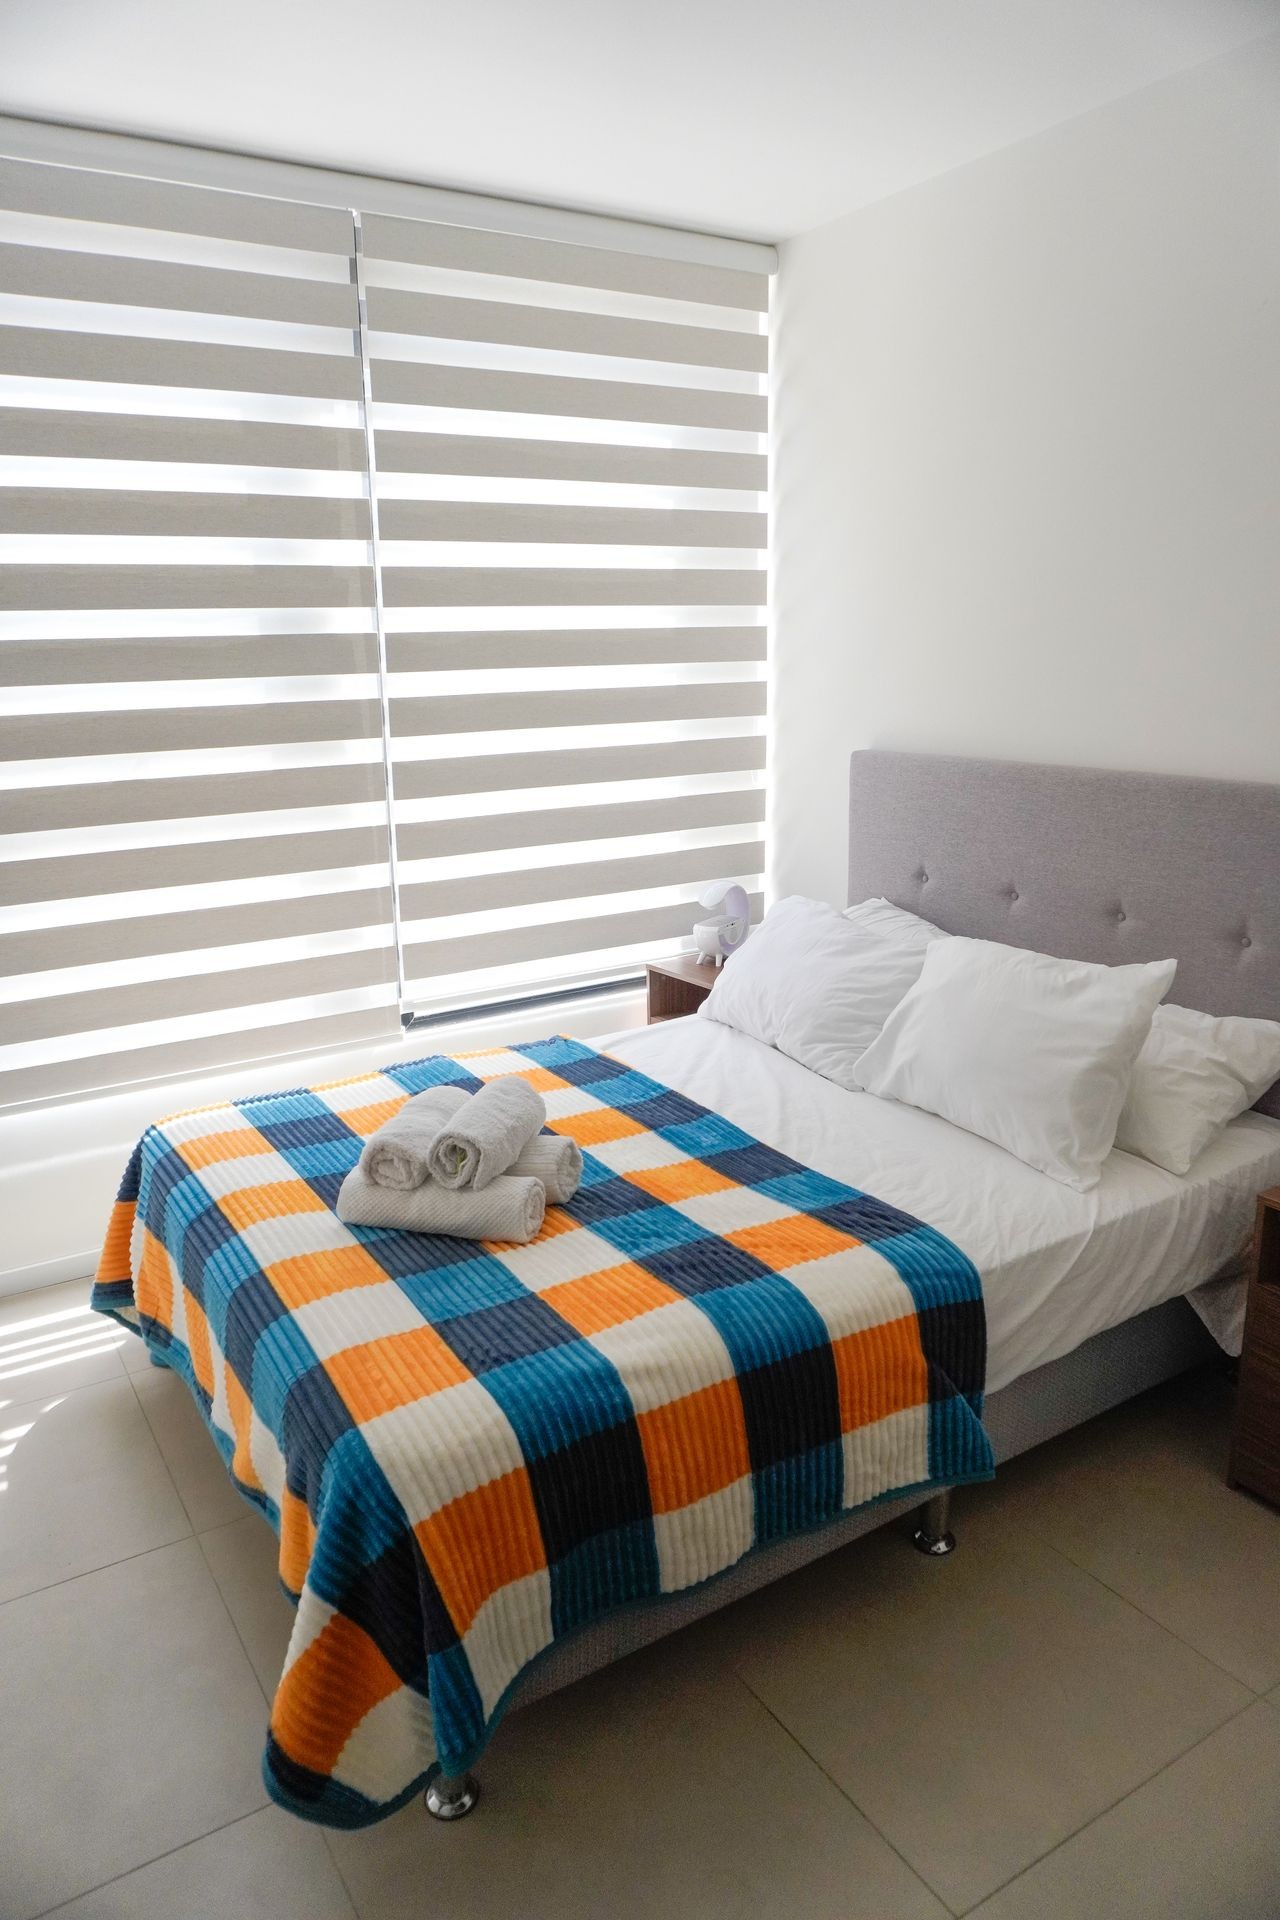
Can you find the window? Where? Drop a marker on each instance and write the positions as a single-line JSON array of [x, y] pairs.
[[381, 618]]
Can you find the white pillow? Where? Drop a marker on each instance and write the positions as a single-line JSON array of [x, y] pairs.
[[1028, 1051], [893, 923], [1193, 1075], [815, 985]]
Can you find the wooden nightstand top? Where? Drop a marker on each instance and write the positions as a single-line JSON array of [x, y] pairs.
[[687, 966]]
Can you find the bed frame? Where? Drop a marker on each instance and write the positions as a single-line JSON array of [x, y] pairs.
[[1092, 865]]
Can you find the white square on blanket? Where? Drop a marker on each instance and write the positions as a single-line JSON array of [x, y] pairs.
[[853, 1289], [354, 1317], [197, 1126], [448, 1443], [889, 1453], [512, 1626], [222, 1177], [705, 1537], [288, 1234], [390, 1745], [665, 1354], [496, 1065], [636, 1153], [562, 1102], [374, 1090], [732, 1209], [560, 1257]]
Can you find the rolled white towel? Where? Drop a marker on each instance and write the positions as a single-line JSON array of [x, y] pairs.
[[508, 1209], [396, 1155], [555, 1160], [485, 1137]]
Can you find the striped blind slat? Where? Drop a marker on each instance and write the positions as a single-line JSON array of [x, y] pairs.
[[574, 647], [172, 798], [194, 853], [52, 274], [238, 656], [511, 458], [90, 510], [570, 473], [445, 317], [475, 250], [35, 432]]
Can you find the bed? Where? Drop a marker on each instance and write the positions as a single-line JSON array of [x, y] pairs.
[[1091, 1298], [1084, 1293]]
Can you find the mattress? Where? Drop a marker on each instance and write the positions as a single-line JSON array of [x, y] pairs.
[[1057, 1266]]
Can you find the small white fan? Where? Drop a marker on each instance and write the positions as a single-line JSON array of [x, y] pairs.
[[723, 933]]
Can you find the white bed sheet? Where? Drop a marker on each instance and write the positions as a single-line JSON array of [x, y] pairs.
[[1056, 1265]]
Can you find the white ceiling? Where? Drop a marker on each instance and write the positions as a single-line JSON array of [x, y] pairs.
[[753, 117]]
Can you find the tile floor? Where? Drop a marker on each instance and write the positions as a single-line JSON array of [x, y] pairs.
[[1076, 1715]]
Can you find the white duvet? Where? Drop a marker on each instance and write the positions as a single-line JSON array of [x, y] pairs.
[[1056, 1265]]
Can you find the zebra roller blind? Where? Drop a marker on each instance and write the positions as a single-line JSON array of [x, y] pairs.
[[194, 839], [570, 465], [381, 619]]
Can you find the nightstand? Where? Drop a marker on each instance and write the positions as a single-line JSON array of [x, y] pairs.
[[678, 986], [1255, 1437]]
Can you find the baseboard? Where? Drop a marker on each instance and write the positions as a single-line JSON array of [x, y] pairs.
[[49, 1273]]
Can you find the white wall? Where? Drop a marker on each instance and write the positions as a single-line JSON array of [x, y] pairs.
[[1027, 460]]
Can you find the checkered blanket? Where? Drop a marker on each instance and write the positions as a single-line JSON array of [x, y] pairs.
[[469, 1450]]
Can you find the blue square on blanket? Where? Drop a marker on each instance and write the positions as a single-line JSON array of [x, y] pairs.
[[752, 1164], [707, 1135], [701, 1262], [330, 1159], [664, 1110], [556, 1398], [494, 1335], [607, 1570], [644, 1232], [596, 1066], [462, 1280], [302, 1130], [264, 1110], [437, 1070], [606, 1195]]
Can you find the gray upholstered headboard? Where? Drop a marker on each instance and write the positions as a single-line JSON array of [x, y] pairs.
[[1083, 863]]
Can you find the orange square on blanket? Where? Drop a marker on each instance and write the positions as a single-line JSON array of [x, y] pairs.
[[695, 1446], [790, 1241], [393, 1370], [297, 1540], [367, 1120], [607, 1298], [326, 1693], [234, 1144], [595, 1125], [481, 1542], [247, 1206], [153, 1285], [311, 1276], [879, 1372], [682, 1180], [541, 1079], [200, 1345]]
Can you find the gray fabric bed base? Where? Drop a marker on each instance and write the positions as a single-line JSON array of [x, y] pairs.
[[1100, 1374]]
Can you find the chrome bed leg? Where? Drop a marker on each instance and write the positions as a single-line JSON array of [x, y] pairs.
[[450, 1796], [932, 1534]]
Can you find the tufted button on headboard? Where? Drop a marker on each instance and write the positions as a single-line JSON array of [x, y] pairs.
[[1084, 863]]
